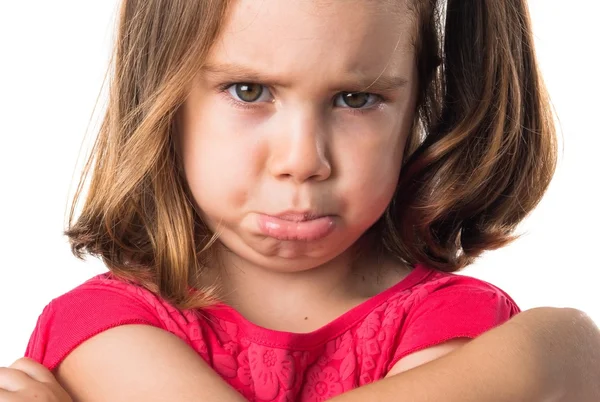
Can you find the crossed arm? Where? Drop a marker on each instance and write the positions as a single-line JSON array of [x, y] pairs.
[[540, 355]]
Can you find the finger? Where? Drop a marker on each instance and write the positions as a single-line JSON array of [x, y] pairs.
[[34, 370], [13, 379]]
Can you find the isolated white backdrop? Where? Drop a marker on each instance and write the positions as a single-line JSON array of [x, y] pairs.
[[53, 55]]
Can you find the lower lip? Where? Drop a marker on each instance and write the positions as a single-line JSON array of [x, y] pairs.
[[306, 230]]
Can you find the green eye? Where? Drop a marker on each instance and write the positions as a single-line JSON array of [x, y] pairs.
[[248, 92], [357, 100]]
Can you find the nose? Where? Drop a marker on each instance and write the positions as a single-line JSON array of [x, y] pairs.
[[299, 149]]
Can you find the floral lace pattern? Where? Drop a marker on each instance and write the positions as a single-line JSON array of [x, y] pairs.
[[356, 349], [358, 356]]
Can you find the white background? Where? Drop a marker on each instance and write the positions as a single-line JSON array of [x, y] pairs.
[[53, 56]]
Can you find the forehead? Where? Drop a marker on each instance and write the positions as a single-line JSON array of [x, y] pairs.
[[319, 35]]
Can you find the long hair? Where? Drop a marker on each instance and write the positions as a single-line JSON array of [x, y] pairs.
[[488, 143], [480, 162], [138, 215]]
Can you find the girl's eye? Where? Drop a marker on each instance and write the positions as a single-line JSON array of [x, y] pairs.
[[249, 93], [356, 100]]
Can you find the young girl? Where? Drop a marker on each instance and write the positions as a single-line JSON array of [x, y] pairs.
[[281, 190]]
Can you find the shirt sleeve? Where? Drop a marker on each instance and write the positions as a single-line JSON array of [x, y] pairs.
[[463, 308], [75, 317]]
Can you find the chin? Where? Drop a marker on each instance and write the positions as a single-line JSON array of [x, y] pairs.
[[286, 256]]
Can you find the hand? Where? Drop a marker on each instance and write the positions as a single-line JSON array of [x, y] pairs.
[[26, 380]]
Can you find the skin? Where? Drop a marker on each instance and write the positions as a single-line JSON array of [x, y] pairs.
[[541, 355], [301, 147]]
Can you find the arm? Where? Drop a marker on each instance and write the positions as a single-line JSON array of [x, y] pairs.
[[540, 355], [137, 362]]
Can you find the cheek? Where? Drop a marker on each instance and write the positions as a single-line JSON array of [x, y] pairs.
[[218, 167], [375, 173], [372, 166]]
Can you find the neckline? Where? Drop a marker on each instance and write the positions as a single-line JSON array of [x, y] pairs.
[[331, 330]]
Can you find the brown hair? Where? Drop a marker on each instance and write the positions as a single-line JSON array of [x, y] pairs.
[[488, 146], [481, 158]]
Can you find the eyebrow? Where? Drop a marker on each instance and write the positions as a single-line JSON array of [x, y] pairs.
[[237, 73]]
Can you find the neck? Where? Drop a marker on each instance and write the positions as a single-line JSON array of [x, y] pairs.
[[304, 300]]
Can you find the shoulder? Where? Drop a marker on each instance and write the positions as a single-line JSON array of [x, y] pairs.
[[444, 307], [101, 303], [435, 287]]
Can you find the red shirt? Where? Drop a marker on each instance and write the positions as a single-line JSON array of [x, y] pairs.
[[357, 348]]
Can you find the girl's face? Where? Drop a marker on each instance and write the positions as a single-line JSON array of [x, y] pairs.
[[293, 134]]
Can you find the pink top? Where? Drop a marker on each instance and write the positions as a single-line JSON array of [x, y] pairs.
[[359, 347]]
